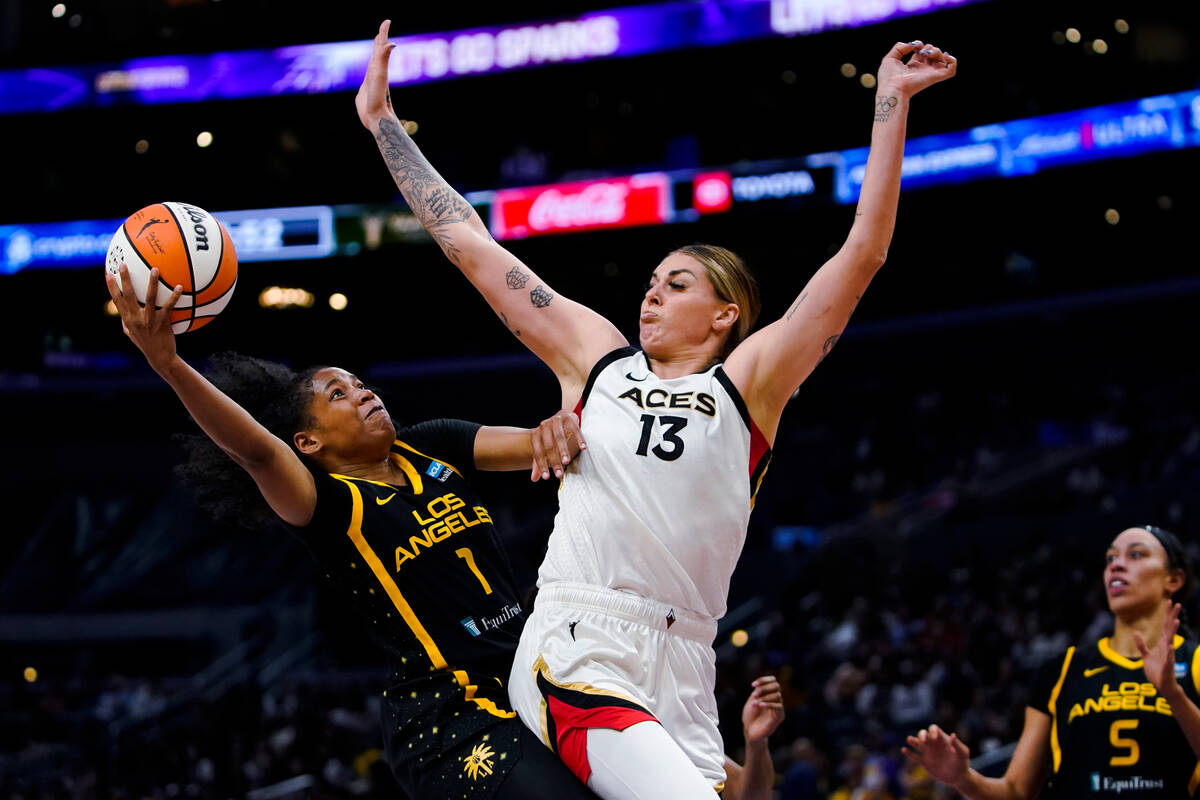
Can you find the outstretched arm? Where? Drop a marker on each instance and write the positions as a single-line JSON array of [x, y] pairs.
[[948, 760], [567, 336], [761, 715], [284, 481], [771, 363], [547, 448]]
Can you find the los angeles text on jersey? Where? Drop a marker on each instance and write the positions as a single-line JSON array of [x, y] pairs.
[[1128, 696], [446, 516], [661, 398], [1132, 783]]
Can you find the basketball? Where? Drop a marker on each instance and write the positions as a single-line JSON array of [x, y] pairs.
[[190, 248]]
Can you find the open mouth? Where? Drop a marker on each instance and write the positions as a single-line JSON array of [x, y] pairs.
[[1117, 585]]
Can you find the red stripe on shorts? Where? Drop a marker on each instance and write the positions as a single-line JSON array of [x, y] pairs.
[[572, 723]]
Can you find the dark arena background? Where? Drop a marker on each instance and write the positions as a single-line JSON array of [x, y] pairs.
[[1018, 386]]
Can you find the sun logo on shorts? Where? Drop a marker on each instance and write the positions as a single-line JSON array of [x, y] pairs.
[[480, 760]]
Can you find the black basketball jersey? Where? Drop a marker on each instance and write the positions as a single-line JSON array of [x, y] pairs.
[[1111, 734], [423, 566]]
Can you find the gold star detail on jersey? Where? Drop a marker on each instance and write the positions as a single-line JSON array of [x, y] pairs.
[[480, 760]]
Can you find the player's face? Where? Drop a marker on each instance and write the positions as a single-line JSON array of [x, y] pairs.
[[1137, 576], [679, 308], [351, 420]]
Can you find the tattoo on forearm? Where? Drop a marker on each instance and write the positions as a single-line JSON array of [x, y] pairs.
[[796, 305], [883, 107], [540, 297], [431, 199], [829, 343], [515, 278], [516, 331]]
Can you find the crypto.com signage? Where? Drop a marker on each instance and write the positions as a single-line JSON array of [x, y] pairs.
[[586, 205], [421, 58]]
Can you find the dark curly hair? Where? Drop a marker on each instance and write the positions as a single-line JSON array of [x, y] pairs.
[[275, 395]]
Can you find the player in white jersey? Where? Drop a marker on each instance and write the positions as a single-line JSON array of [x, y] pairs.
[[615, 668]]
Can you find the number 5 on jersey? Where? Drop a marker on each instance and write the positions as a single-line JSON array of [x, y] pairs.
[[670, 436]]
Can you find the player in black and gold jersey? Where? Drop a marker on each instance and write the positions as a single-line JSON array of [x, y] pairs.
[[1117, 717], [392, 521]]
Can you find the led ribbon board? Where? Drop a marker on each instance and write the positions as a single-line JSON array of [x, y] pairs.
[[265, 234], [339, 66]]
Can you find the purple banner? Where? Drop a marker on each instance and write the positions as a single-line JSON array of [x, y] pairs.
[[339, 66]]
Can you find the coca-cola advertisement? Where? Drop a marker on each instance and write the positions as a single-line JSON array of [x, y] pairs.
[[608, 203]]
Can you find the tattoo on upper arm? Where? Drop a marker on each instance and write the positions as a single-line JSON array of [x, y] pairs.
[[796, 305], [540, 297], [515, 278], [829, 343], [883, 108], [516, 331], [431, 199]]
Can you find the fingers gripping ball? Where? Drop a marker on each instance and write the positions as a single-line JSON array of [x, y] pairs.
[[189, 248]]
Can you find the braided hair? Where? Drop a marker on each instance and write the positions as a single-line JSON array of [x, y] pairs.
[[1177, 559], [279, 398]]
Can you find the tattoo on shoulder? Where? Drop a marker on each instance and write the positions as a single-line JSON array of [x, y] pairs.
[[516, 331], [796, 305], [515, 278], [829, 343], [540, 297]]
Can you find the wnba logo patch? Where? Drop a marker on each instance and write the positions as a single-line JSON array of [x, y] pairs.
[[1180, 669], [438, 471]]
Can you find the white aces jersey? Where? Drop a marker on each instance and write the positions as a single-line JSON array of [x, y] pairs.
[[659, 503]]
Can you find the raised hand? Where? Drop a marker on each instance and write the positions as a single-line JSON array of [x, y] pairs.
[[1159, 661], [552, 445], [374, 99], [147, 326], [944, 757], [927, 66], [763, 711]]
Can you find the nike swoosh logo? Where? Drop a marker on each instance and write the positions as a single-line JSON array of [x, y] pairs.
[[1087, 673], [630, 376], [385, 500]]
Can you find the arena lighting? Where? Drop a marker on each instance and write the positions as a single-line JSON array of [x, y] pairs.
[[1112, 216], [58, 11], [31, 674], [739, 638], [1121, 26], [1073, 35], [422, 58], [849, 70], [338, 301], [1100, 46], [867, 80], [110, 308], [141, 147], [280, 297], [204, 139]]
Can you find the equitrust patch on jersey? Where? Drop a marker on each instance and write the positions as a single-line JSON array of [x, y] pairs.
[[438, 471]]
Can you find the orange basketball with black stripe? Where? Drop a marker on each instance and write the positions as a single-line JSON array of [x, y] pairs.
[[190, 248]]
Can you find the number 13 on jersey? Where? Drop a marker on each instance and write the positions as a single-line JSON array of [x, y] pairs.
[[673, 448]]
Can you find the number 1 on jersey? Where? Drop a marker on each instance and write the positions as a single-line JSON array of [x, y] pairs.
[[466, 554]]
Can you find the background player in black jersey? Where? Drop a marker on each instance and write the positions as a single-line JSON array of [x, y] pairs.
[[392, 521], [1114, 717]]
